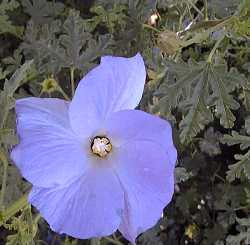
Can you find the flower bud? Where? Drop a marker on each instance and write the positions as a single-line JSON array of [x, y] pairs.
[[49, 85], [168, 42]]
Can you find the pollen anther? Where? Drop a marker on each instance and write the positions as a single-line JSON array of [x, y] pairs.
[[101, 146]]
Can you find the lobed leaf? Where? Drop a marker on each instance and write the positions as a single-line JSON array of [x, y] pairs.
[[196, 88], [42, 11], [10, 86], [6, 25]]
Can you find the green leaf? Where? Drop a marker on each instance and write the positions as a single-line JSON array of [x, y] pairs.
[[10, 86], [54, 47], [237, 239], [228, 198], [197, 117], [239, 168], [188, 93], [246, 90], [247, 125], [195, 87], [80, 47], [112, 18], [214, 234], [242, 166], [41, 43], [235, 139], [42, 11], [3, 73], [210, 144], [181, 175], [142, 9], [74, 39], [243, 236], [94, 50], [247, 191], [6, 25], [224, 8], [223, 83], [244, 8], [25, 229], [13, 63]]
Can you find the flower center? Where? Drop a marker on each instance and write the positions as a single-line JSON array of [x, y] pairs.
[[101, 146]]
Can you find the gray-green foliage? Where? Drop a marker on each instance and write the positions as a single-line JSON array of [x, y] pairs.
[[25, 228], [42, 11], [112, 18], [10, 86], [242, 166], [198, 88], [6, 26], [243, 228], [58, 45]]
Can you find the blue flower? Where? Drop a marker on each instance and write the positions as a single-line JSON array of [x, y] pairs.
[[96, 164]]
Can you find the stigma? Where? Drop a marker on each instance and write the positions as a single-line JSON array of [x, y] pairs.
[[101, 146]]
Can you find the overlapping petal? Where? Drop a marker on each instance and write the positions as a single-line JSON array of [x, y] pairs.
[[48, 154], [147, 178], [90, 207], [116, 84], [137, 125], [145, 167]]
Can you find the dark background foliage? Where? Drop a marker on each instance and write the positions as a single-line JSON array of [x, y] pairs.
[[198, 77]]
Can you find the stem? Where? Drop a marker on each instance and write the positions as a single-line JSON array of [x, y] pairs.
[[211, 25], [219, 177], [66, 97], [4, 160], [72, 69], [210, 57], [180, 24], [37, 218], [242, 207], [150, 27], [205, 10], [95, 241], [194, 6]]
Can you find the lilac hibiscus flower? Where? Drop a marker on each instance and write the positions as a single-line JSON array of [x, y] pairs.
[[96, 164]]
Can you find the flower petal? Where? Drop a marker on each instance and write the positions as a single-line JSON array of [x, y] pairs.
[[90, 207], [147, 177], [49, 153], [145, 164], [136, 125], [116, 84]]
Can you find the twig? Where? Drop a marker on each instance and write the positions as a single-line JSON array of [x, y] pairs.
[[210, 57], [62, 92], [194, 6], [205, 10]]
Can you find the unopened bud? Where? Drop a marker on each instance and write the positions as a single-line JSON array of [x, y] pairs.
[[49, 85], [168, 42]]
